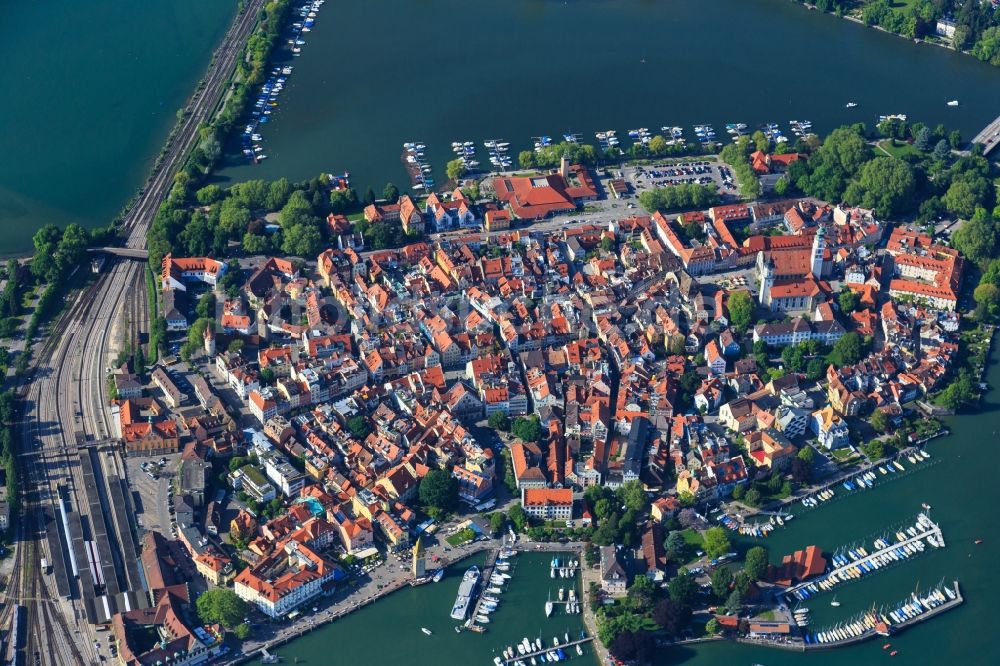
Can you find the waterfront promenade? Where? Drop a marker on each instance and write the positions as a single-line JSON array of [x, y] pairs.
[[382, 582]]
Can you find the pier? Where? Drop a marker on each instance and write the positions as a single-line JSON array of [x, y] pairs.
[[528, 655], [884, 628], [484, 581], [844, 572]]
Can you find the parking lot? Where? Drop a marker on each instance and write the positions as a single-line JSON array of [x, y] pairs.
[[693, 171], [152, 483]]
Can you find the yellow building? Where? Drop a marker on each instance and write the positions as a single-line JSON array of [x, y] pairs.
[[216, 569]]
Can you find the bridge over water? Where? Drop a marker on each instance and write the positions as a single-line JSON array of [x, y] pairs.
[[989, 137]]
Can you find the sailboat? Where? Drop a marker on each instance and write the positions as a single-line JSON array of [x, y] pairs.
[[548, 606], [835, 602]]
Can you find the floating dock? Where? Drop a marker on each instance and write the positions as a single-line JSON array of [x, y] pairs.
[[484, 583], [878, 623], [562, 646]]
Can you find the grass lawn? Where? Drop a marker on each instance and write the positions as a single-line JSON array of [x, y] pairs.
[[898, 149], [695, 542], [842, 455], [460, 537]]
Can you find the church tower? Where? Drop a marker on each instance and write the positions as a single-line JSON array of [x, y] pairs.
[[819, 246], [766, 282], [419, 568]]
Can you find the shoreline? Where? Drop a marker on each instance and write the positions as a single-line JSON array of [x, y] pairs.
[[311, 623], [915, 40]]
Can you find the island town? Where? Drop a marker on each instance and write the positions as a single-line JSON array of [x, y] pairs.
[[648, 396]]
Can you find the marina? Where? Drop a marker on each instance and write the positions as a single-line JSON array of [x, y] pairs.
[[417, 166], [911, 610], [855, 562], [267, 100], [535, 651]]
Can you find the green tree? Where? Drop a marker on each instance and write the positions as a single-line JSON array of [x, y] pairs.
[[206, 306], [966, 194], [722, 579], [43, 262], [807, 455], [712, 627], [390, 193], [752, 498], [209, 194], [499, 421], [885, 184], [879, 421], [497, 521], [251, 194], [958, 393], [439, 490], [734, 602], [343, 201], [987, 297], [987, 47], [527, 428], [278, 193], [234, 219], [848, 350], [922, 141], [632, 496], [977, 237], [716, 541], [221, 605], [641, 595], [675, 546], [358, 426], [303, 239], [942, 150], [683, 588], [848, 301], [518, 516], [455, 169], [741, 310], [755, 563]]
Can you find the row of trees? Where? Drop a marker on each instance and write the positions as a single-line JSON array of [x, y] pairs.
[[8, 414], [550, 156], [251, 70], [10, 301], [677, 197], [737, 156]]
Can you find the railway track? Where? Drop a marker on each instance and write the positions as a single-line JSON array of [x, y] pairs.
[[67, 391]]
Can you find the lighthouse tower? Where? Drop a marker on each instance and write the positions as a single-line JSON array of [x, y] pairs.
[[419, 568], [819, 245]]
